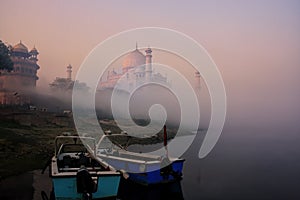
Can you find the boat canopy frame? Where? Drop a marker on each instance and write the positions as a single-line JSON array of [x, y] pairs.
[[75, 138]]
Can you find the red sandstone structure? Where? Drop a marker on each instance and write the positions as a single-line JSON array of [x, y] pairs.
[[17, 85]]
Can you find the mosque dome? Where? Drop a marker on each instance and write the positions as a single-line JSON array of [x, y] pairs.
[[20, 48], [134, 59]]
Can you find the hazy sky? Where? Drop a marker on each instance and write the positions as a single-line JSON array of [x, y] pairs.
[[255, 44]]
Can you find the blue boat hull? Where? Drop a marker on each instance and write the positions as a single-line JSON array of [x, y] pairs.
[[152, 172], [65, 187], [156, 176]]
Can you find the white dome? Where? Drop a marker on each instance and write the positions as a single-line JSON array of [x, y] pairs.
[[134, 59]]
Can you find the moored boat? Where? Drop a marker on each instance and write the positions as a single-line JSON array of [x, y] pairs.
[[78, 174], [142, 168]]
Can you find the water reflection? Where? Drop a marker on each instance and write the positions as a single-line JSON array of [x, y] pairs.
[[129, 190]]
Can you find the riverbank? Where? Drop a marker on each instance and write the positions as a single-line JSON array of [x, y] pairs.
[[25, 148], [27, 186], [17, 187]]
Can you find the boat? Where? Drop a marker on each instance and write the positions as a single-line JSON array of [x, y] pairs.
[[146, 169], [78, 174]]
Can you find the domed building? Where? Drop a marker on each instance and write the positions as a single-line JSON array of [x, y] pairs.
[[133, 59], [16, 85], [137, 69]]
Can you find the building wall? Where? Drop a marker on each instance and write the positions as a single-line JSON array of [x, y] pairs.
[[17, 82], [17, 86]]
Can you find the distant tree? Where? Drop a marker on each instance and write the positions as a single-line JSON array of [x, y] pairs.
[[64, 84], [5, 61], [61, 84]]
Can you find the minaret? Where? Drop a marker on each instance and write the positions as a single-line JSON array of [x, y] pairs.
[[69, 72], [197, 80], [148, 64], [33, 53]]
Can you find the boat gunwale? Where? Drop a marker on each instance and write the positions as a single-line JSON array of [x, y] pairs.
[[138, 161], [73, 174]]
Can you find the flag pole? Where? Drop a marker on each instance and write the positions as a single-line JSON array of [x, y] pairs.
[[166, 141]]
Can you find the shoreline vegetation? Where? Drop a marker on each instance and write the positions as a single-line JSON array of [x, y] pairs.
[[27, 138], [25, 148]]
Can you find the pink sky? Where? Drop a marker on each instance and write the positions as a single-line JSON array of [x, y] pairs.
[[255, 44]]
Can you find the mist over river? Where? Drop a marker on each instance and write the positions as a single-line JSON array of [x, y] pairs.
[[246, 163]]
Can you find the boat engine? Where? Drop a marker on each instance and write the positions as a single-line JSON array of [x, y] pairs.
[[85, 183]]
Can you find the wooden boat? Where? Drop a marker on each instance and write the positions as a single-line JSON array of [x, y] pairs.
[[143, 168], [77, 174]]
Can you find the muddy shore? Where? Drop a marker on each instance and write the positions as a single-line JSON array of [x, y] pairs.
[[17, 187], [27, 186]]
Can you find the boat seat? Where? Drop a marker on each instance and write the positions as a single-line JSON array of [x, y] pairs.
[[84, 160], [67, 161]]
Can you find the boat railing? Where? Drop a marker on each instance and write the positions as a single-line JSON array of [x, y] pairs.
[[90, 148], [102, 139]]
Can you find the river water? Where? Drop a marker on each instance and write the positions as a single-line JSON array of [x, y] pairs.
[[246, 164]]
